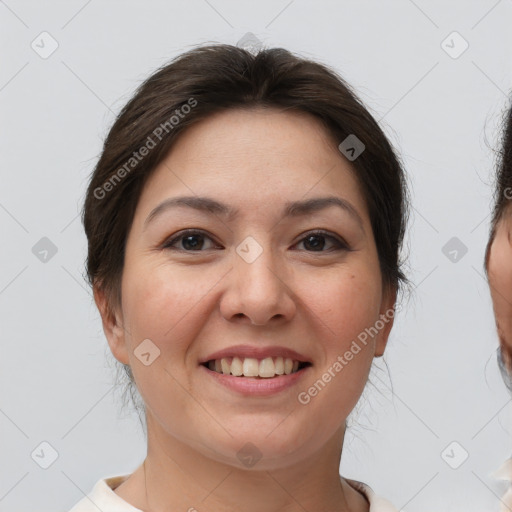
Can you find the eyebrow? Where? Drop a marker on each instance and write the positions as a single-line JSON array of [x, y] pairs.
[[291, 209]]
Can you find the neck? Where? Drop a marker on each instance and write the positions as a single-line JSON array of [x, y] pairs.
[[178, 476]]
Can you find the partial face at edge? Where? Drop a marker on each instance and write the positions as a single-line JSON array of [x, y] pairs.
[[500, 282], [197, 295]]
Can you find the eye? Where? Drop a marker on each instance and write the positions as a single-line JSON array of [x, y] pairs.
[[316, 241], [194, 241], [191, 240]]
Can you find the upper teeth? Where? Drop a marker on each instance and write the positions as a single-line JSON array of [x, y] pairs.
[[251, 367]]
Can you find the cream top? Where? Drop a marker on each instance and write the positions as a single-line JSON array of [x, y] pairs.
[[102, 497], [504, 472]]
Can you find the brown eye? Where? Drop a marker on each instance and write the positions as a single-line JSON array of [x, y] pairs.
[[316, 242], [191, 240]]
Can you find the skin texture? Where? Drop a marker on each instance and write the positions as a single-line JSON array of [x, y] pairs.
[[190, 304], [500, 280]]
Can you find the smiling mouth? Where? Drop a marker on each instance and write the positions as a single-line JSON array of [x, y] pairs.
[[266, 368]]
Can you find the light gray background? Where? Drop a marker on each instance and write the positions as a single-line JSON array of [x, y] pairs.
[[56, 383]]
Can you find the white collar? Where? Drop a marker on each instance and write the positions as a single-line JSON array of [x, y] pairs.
[[103, 497]]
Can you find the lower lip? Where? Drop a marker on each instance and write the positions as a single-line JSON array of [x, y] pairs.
[[251, 386]]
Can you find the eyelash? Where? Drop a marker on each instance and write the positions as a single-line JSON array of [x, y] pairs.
[[341, 244]]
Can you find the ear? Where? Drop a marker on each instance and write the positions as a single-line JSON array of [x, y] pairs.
[[387, 317], [112, 325]]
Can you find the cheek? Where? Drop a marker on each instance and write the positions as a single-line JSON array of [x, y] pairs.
[[159, 296], [346, 308], [344, 314], [346, 303], [500, 281], [500, 273], [352, 322], [163, 306], [500, 263]]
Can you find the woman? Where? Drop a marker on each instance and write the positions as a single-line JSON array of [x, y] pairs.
[[498, 265], [244, 223]]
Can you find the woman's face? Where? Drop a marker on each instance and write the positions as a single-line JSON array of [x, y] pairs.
[[500, 281], [253, 278]]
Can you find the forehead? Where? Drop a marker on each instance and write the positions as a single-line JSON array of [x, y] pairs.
[[255, 157], [266, 131]]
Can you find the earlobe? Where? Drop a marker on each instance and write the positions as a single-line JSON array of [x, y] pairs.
[[112, 326], [386, 320]]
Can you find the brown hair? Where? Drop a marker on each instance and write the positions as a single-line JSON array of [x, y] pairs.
[[213, 78]]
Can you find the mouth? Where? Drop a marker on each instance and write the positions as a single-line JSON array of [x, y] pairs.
[[248, 367]]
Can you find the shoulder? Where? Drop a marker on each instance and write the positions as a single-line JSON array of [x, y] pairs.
[[102, 497], [504, 472], [377, 504]]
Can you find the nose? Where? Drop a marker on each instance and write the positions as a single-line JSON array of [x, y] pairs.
[[258, 291]]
